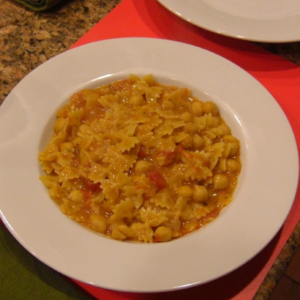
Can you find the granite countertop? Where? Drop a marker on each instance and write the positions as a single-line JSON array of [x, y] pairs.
[[27, 39]]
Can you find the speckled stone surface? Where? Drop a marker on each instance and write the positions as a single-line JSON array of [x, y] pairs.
[[27, 39]]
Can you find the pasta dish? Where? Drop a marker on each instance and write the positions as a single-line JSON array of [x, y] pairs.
[[138, 160]]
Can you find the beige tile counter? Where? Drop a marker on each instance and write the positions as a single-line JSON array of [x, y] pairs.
[[27, 39]]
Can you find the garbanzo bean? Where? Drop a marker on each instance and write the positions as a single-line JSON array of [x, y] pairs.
[[197, 108], [185, 191], [186, 117], [234, 150], [220, 181], [98, 223], [235, 145], [224, 128], [200, 193], [163, 234], [137, 99], [232, 165], [191, 128], [142, 166], [76, 196], [187, 214], [140, 161], [210, 107]]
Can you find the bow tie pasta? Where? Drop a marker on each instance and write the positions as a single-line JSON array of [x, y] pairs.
[[140, 161]]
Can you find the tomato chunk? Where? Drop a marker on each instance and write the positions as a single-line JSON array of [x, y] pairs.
[[90, 189], [157, 179], [87, 194], [142, 153], [93, 187]]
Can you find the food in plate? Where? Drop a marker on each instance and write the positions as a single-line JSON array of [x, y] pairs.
[[138, 160]]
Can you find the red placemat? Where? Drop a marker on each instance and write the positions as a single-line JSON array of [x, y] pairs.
[[147, 18]]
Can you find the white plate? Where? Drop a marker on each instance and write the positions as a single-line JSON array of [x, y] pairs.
[[255, 20], [261, 202]]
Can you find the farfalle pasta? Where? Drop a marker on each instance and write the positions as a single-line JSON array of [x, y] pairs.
[[140, 161]]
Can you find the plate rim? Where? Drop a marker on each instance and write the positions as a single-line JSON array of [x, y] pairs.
[[233, 26], [130, 43]]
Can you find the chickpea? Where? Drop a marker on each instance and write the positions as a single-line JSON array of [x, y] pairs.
[[235, 145], [234, 150], [142, 166], [191, 128], [232, 165], [186, 117], [200, 193], [163, 234], [220, 181], [76, 196], [187, 214], [197, 108], [84, 128], [185, 191], [210, 107], [224, 128], [187, 142], [137, 100], [198, 141], [98, 223]]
